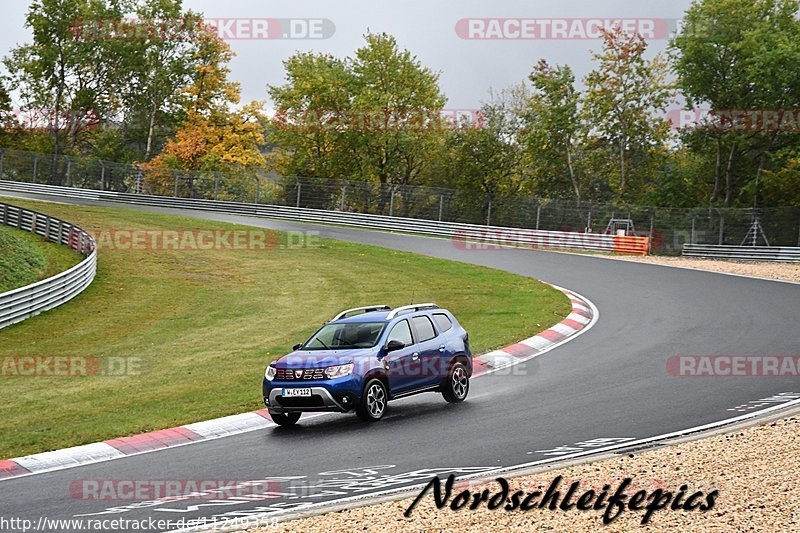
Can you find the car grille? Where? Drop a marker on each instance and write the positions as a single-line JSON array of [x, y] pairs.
[[286, 374]]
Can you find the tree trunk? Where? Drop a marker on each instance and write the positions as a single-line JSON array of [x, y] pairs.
[[717, 171], [729, 176], [761, 160], [56, 124], [150, 129], [572, 177], [621, 167], [383, 178]]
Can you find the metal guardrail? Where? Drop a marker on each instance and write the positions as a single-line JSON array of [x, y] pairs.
[[18, 304], [749, 253], [471, 235]]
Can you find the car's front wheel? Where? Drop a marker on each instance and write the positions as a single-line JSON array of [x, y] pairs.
[[456, 386], [373, 401], [284, 419]]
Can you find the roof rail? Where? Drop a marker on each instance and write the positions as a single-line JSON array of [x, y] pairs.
[[411, 309], [366, 309]]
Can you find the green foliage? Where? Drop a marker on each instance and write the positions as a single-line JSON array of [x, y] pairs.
[[310, 107], [374, 117], [624, 96], [555, 136], [740, 55], [159, 68], [483, 161]]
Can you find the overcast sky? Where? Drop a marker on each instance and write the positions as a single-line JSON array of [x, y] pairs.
[[468, 67]]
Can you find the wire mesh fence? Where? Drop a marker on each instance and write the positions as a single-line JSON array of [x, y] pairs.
[[669, 228]]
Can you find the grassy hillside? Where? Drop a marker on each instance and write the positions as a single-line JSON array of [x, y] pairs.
[[26, 258]]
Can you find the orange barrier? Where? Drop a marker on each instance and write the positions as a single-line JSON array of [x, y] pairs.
[[631, 245]]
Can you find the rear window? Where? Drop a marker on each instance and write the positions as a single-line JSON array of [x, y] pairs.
[[442, 321], [424, 328]]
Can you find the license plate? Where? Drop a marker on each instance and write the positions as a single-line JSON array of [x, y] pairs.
[[291, 393]]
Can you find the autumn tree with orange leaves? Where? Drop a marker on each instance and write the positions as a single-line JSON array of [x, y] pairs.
[[214, 137]]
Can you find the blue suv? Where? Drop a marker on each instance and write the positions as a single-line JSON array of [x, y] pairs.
[[367, 356]]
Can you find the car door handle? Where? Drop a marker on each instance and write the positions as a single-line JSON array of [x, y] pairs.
[[441, 348], [415, 356]]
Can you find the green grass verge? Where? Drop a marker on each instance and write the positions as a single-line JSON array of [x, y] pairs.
[[26, 258], [206, 323]]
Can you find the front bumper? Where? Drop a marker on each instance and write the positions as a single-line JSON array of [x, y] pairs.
[[337, 397]]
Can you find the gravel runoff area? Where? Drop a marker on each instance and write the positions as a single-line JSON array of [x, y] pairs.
[[755, 470], [760, 269]]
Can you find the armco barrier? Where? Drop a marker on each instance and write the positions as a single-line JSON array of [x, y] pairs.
[[748, 253], [18, 304], [480, 236]]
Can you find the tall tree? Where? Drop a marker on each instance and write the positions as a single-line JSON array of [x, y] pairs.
[[483, 160], [64, 75], [625, 96], [392, 85], [213, 136], [160, 65], [554, 133], [373, 117], [312, 112]]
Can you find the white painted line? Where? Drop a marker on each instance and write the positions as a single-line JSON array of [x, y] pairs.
[[68, 457]]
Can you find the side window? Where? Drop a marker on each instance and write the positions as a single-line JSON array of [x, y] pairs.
[[424, 328], [442, 321], [401, 332]]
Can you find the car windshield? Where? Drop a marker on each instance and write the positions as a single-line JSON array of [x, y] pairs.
[[348, 335]]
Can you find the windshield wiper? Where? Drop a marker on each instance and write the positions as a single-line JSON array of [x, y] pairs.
[[322, 343]]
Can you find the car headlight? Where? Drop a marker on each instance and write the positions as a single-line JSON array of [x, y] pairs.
[[269, 373], [339, 371]]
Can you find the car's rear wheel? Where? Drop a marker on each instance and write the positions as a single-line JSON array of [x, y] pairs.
[[284, 419], [456, 386], [373, 401]]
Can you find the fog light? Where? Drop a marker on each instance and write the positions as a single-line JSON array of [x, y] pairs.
[[266, 401]]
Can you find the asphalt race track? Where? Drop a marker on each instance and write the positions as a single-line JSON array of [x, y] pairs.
[[609, 383]]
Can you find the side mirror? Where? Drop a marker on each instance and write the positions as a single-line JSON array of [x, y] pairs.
[[394, 345], [296, 347]]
